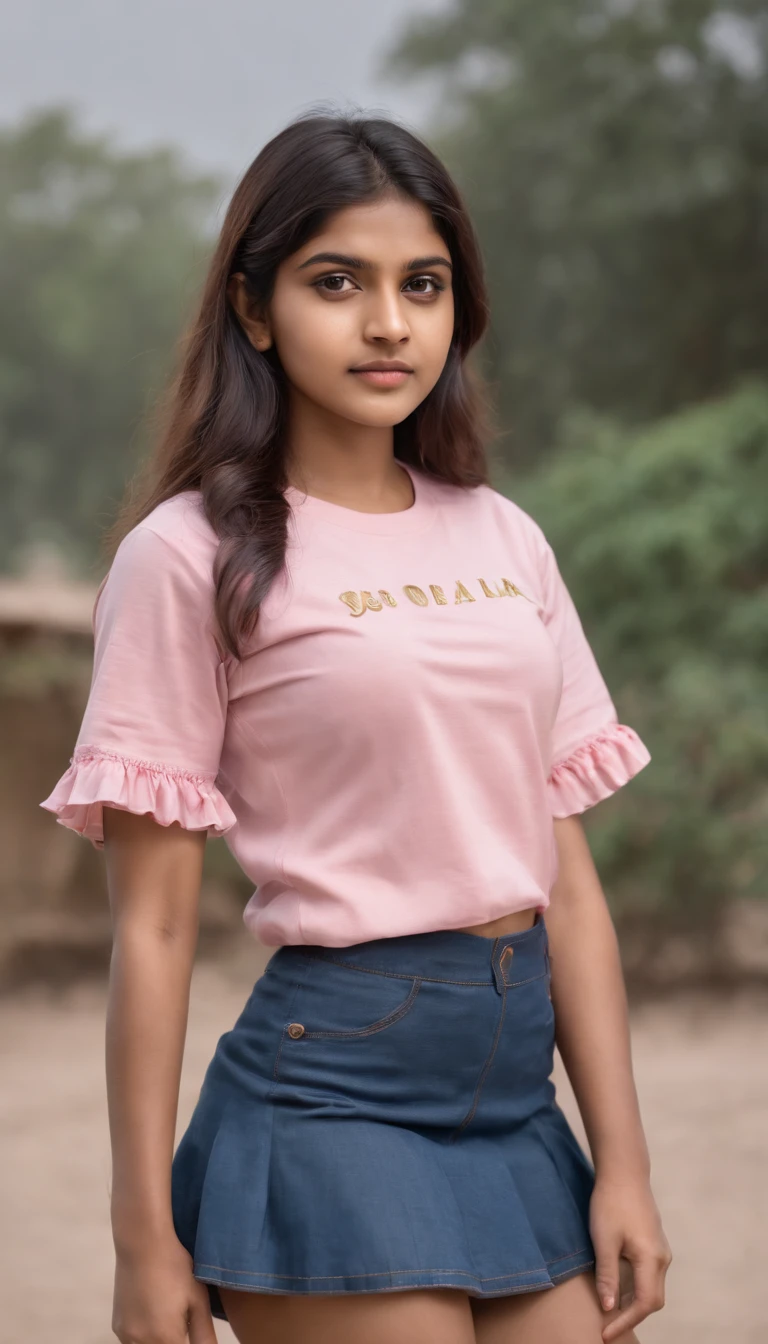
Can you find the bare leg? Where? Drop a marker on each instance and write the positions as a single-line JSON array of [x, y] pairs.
[[413, 1316], [568, 1314]]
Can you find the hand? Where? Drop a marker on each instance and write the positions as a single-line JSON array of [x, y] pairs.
[[157, 1300], [625, 1224]]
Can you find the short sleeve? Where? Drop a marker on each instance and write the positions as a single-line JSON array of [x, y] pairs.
[[153, 728], [592, 754]]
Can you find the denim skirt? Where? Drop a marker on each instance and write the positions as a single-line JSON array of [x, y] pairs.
[[381, 1117]]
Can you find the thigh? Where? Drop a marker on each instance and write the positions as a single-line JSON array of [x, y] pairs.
[[413, 1316], [568, 1314]]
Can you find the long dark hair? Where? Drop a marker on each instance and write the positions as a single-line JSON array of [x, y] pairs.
[[224, 412]]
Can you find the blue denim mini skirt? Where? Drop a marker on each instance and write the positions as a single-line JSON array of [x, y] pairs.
[[381, 1117]]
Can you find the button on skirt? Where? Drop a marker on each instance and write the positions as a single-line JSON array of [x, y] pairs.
[[381, 1117]]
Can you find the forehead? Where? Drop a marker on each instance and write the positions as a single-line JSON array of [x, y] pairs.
[[387, 230]]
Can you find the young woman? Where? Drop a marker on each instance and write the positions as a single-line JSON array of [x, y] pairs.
[[324, 635]]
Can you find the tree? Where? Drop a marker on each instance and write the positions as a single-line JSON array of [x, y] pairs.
[[615, 159], [100, 253], [662, 540]]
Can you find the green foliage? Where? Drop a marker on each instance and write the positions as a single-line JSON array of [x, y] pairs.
[[615, 160], [661, 537], [100, 254]]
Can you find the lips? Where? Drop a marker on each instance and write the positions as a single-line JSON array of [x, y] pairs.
[[383, 377], [383, 366]]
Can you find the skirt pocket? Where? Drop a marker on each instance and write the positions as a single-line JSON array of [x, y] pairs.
[[339, 1002], [402, 1050], [382, 1023]]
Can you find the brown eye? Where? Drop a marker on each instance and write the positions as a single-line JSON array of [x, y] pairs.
[[323, 281], [430, 279]]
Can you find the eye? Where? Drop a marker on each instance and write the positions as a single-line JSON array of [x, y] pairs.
[[324, 283], [430, 279], [324, 279]]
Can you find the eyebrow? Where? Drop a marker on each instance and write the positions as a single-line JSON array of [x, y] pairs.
[[360, 264]]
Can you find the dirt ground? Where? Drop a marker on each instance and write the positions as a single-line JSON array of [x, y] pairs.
[[701, 1071]]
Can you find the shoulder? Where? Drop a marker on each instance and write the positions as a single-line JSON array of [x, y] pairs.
[[488, 507], [171, 550], [180, 523], [176, 534]]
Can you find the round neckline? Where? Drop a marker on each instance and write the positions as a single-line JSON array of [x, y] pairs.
[[404, 520]]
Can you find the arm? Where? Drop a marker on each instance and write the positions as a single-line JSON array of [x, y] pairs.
[[142, 786], [590, 1005], [153, 876]]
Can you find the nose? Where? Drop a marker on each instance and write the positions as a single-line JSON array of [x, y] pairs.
[[386, 318]]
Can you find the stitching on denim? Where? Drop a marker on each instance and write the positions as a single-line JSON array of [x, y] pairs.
[[384, 1273], [391, 975], [403, 975], [277, 1057], [510, 984], [583, 1250], [383, 1022], [516, 1290], [275, 1078], [483, 1075], [573, 1269]]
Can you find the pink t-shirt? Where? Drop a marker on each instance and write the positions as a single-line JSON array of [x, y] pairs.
[[417, 703]]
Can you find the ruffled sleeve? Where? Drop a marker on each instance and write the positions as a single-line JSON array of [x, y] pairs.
[[591, 754], [596, 769], [152, 732], [97, 777]]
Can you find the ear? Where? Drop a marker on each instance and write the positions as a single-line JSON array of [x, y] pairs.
[[255, 327]]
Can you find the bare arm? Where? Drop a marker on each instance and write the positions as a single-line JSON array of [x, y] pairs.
[[153, 877], [593, 1037], [591, 1008]]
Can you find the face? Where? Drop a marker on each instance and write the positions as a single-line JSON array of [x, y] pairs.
[[374, 285]]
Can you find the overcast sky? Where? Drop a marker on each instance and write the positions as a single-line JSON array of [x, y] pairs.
[[218, 77]]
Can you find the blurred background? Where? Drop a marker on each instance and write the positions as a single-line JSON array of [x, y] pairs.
[[614, 155]]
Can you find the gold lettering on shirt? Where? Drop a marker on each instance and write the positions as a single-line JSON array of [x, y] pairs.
[[362, 601], [353, 601], [512, 589], [358, 603], [417, 595], [463, 594], [487, 590]]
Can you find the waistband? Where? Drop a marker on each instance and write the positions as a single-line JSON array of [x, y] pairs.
[[441, 954]]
